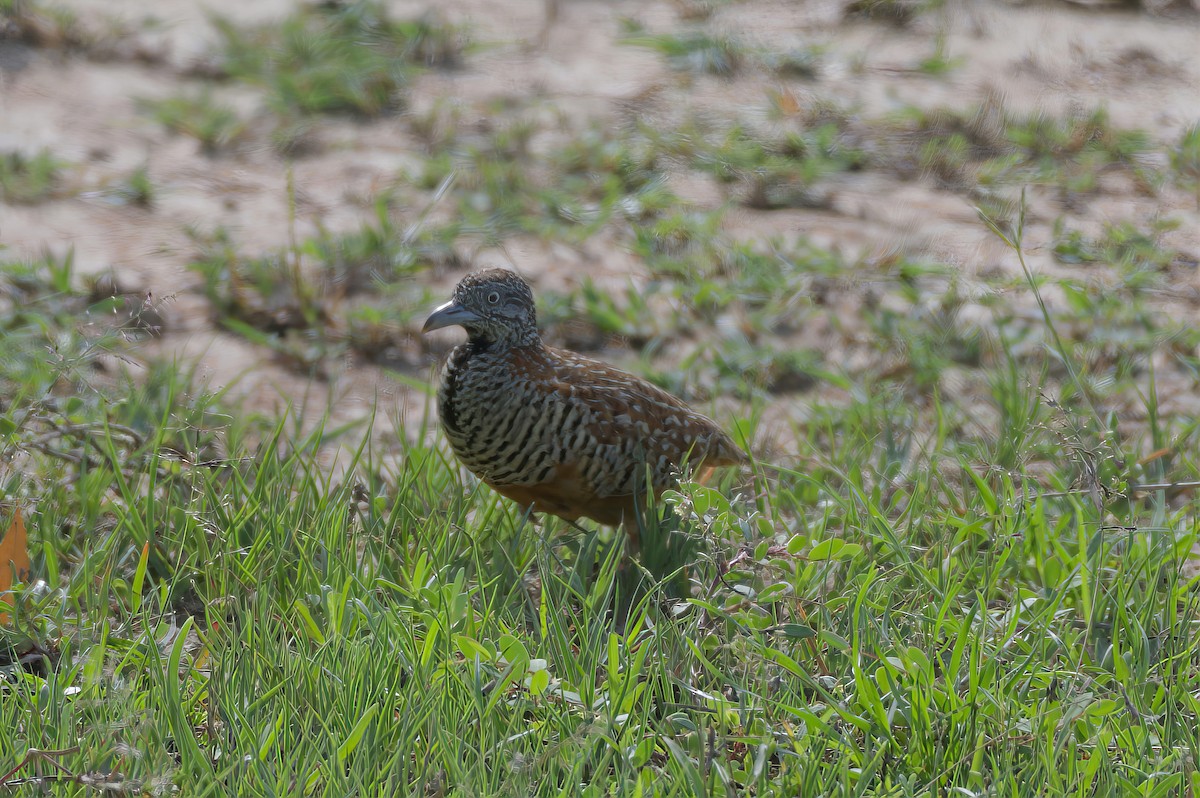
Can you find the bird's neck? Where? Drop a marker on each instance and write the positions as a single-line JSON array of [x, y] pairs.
[[481, 342], [477, 344]]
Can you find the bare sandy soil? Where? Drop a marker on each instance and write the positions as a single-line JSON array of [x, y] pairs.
[[1053, 57]]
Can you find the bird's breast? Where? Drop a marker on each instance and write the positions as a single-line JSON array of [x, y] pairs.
[[489, 413]]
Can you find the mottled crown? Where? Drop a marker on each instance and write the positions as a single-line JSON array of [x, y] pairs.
[[503, 305]]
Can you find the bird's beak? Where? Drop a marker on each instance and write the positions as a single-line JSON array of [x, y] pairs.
[[448, 315]]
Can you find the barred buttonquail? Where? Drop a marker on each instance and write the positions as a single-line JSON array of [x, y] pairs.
[[554, 431]]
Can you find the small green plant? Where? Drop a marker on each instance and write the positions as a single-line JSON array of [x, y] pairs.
[[310, 300], [897, 12], [679, 244], [491, 183], [29, 180], [379, 253], [1122, 245], [953, 146], [692, 52], [724, 56], [338, 58], [42, 24], [198, 114], [744, 368], [923, 341], [437, 127], [939, 63], [796, 62], [1185, 160], [137, 189], [56, 327], [384, 327], [1108, 312], [593, 318], [989, 146], [780, 172], [1073, 152], [596, 178], [600, 177], [271, 293]]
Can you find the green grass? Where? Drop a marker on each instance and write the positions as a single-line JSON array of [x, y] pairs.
[[898, 12], [1185, 160], [944, 576], [694, 51], [137, 189], [795, 62], [29, 180], [199, 115], [350, 58], [776, 171], [939, 63], [595, 180], [700, 53], [44, 25], [313, 300], [878, 613], [346, 59], [989, 146]]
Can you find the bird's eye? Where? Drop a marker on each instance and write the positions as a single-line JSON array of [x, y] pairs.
[[493, 297]]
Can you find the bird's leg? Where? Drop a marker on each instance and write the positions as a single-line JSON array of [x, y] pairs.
[[577, 527]]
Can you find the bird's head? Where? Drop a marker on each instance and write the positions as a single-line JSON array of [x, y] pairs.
[[494, 306]]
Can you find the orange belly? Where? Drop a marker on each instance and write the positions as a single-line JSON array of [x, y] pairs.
[[552, 498], [568, 498]]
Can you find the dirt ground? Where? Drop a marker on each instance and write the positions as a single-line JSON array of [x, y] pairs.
[[1054, 57]]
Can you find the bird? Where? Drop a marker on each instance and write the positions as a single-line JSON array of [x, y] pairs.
[[555, 431]]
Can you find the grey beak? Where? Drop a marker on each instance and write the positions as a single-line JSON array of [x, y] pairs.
[[448, 315]]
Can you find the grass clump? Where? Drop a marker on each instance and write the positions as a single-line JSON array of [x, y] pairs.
[[939, 63], [29, 180], [595, 179], [198, 115], [949, 144], [601, 178], [909, 601], [137, 189], [777, 165], [700, 53], [310, 300], [894, 602], [901, 13], [594, 318], [933, 335], [779, 173], [712, 274], [694, 51], [338, 57], [747, 367], [1122, 245], [794, 62], [1108, 311], [1074, 151], [989, 146], [270, 293], [44, 25], [1185, 160], [60, 398]]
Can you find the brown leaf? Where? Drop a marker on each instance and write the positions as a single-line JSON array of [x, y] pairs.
[[14, 559]]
